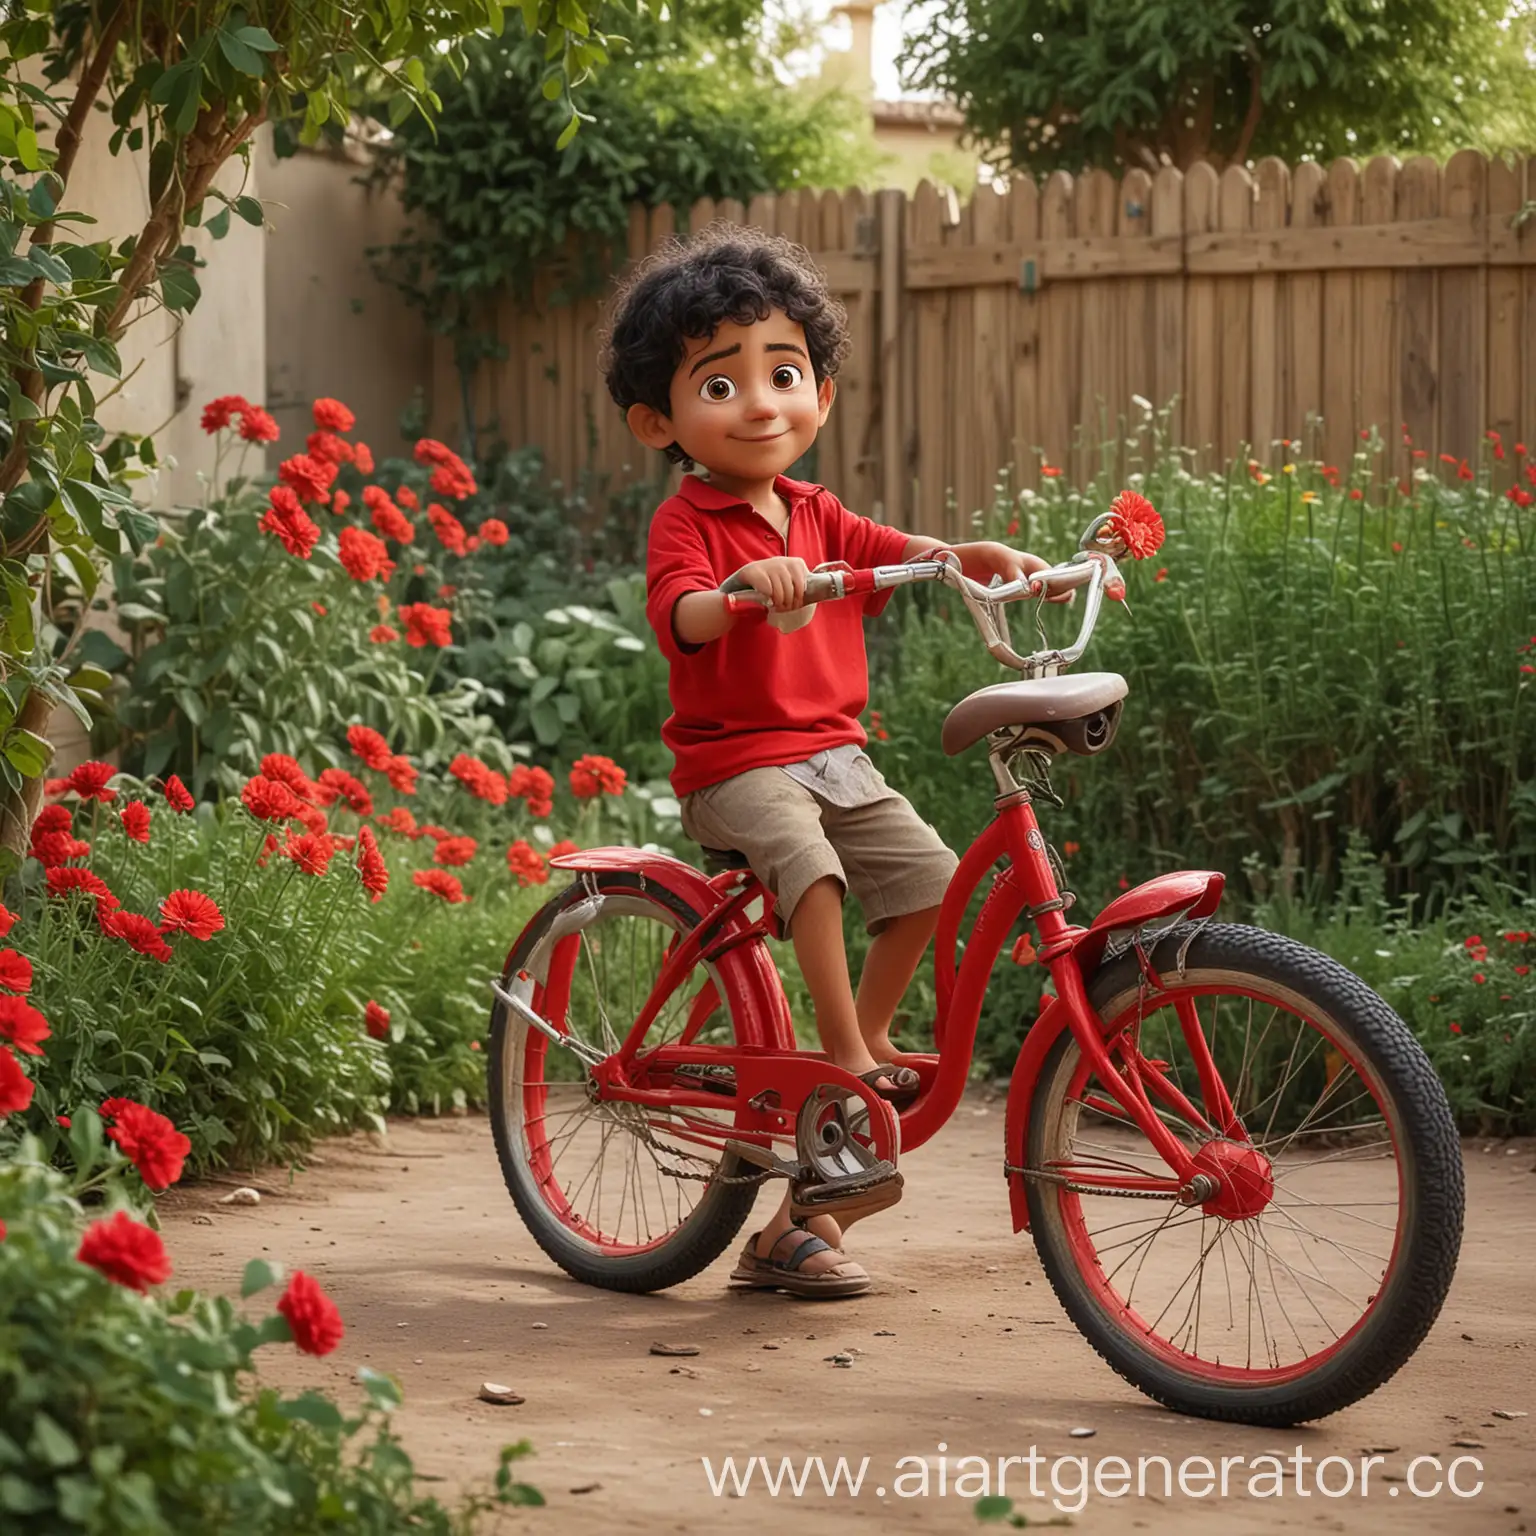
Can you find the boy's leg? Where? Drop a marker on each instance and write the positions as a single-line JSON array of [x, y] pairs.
[[889, 966]]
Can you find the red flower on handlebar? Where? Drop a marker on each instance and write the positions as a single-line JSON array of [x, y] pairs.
[[1136, 520]]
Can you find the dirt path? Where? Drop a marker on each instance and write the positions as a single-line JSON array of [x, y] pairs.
[[441, 1286]]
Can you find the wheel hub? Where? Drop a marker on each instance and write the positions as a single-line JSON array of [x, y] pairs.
[[1245, 1182]]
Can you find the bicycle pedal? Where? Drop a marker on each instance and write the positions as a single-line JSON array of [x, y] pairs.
[[863, 1193], [764, 1158]]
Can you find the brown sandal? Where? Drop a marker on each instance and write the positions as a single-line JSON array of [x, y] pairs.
[[846, 1278]]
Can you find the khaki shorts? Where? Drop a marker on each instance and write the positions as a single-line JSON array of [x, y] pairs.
[[881, 850]]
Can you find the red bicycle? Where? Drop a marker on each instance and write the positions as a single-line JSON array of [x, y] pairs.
[[1238, 1167]]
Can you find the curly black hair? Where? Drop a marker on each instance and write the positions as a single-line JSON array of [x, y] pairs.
[[692, 285]]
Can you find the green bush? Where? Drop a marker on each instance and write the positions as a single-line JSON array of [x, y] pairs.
[[1302, 665], [134, 1415]]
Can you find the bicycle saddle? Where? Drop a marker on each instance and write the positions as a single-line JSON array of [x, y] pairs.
[[1048, 702]]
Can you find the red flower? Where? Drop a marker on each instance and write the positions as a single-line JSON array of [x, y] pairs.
[[451, 477], [455, 851], [268, 800], [1356, 494], [320, 609], [340, 501], [1522, 970], [388, 519], [562, 848], [191, 912], [1519, 495], [1125, 884], [62, 881], [1135, 520], [310, 478], [288, 520], [89, 781], [15, 971], [1050, 471], [1464, 471], [177, 796], [449, 530], [1455, 1028], [1478, 979], [437, 834], [479, 779], [1498, 453], [312, 1316], [52, 849], [53, 818], [426, 625], [259, 426], [376, 1020], [126, 1252], [535, 785], [362, 457], [332, 416], [135, 819], [440, 883], [402, 775], [382, 634], [328, 449], [15, 1086], [22, 1025], [494, 532], [149, 1141], [137, 932], [1071, 848], [365, 556], [337, 782], [367, 744], [408, 498], [218, 414], [596, 775], [7, 920], [311, 853], [1472, 941], [399, 820], [526, 863], [1162, 574], [371, 867]]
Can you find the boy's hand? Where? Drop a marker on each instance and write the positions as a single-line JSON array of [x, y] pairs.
[[987, 558], [780, 579]]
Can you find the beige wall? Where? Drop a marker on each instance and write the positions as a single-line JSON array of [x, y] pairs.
[[332, 328]]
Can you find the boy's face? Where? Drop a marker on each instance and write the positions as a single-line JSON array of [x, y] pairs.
[[744, 401]]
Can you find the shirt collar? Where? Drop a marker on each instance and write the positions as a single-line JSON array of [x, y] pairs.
[[704, 497]]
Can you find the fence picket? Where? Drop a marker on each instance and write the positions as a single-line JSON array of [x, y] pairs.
[[997, 332]]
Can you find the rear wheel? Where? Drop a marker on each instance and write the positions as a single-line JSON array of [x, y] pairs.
[[1318, 1268], [622, 1196]]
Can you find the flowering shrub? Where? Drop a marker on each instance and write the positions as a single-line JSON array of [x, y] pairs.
[[127, 1407], [287, 963]]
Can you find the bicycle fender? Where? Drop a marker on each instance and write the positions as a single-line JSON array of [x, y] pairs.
[[1186, 895], [746, 970]]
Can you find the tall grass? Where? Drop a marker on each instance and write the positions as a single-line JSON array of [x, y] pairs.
[[1303, 663]]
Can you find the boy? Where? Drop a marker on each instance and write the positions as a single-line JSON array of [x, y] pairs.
[[722, 351]]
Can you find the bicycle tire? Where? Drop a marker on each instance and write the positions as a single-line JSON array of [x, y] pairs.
[[1430, 1178]]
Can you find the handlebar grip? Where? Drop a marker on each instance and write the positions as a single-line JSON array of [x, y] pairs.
[[820, 587]]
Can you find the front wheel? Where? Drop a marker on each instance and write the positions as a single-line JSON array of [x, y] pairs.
[[1318, 1268]]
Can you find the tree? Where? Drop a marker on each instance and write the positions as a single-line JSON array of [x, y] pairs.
[[187, 86], [1069, 83], [690, 108]]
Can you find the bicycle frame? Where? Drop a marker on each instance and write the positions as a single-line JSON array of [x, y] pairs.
[[768, 1061]]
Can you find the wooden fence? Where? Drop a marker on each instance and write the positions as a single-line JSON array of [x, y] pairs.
[[1302, 303]]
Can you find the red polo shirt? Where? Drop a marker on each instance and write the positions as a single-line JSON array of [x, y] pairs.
[[756, 698]]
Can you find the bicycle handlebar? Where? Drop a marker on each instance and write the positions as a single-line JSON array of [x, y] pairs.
[[1092, 567]]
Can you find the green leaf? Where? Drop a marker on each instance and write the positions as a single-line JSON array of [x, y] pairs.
[[314, 1409], [51, 1443], [258, 38], [218, 225], [381, 1389], [180, 289], [102, 355], [241, 55], [27, 752], [48, 266], [994, 1507], [26, 149], [41, 201], [249, 209], [258, 1275]]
